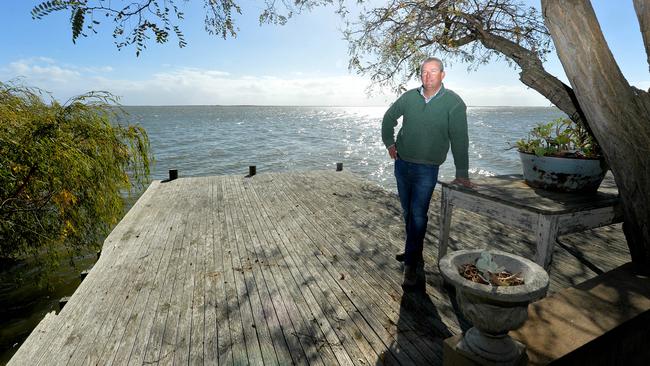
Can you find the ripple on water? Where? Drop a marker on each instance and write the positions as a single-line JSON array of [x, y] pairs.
[[207, 140]]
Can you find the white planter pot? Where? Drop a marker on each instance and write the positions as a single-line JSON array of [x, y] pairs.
[[563, 174]]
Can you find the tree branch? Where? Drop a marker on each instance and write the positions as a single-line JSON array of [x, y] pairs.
[[642, 8], [535, 76], [21, 187]]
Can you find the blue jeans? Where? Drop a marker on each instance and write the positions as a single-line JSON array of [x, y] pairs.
[[415, 184]]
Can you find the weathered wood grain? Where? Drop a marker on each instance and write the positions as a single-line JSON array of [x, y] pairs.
[[95, 306], [238, 308], [513, 191], [277, 269], [120, 324], [509, 200], [212, 273], [224, 343], [169, 286], [332, 306], [354, 273], [274, 311], [134, 353], [257, 319]]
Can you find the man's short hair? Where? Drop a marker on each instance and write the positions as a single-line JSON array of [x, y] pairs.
[[432, 59]]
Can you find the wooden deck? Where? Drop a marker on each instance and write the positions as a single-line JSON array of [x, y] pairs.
[[277, 269]]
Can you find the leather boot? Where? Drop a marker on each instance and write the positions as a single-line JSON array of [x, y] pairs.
[[410, 277], [421, 278], [414, 278]]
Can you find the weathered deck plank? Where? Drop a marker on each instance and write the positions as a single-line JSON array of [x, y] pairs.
[[154, 339], [224, 343], [330, 305], [273, 260], [317, 300], [309, 331], [360, 271], [257, 323], [198, 305], [135, 352], [243, 291], [212, 272], [180, 344], [277, 269], [272, 307], [97, 305], [124, 317]]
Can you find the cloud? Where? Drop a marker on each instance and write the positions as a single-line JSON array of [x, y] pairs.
[[477, 93], [502, 95], [194, 86], [212, 87], [46, 73], [45, 59], [97, 70]]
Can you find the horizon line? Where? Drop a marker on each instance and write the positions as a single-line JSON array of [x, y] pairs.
[[315, 105]]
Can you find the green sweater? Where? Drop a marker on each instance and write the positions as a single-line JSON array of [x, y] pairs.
[[428, 129]]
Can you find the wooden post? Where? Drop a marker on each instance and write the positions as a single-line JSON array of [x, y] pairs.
[[251, 170], [173, 174], [446, 210], [545, 235], [339, 167]]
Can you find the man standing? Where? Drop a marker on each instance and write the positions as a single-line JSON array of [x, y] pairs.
[[433, 119]]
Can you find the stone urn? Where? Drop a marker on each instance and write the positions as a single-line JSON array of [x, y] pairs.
[[494, 310]]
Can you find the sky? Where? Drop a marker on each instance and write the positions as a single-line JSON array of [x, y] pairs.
[[301, 63]]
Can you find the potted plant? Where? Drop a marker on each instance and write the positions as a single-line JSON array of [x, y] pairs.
[[561, 156], [496, 302]]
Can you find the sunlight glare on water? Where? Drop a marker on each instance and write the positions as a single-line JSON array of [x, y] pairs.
[[216, 140]]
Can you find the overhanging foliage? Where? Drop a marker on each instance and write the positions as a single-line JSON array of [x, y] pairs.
[[63, 170]]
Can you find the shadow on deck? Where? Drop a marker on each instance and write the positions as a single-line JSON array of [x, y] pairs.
[[277, 269]]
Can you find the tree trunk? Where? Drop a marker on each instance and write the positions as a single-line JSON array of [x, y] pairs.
[[618, 114]]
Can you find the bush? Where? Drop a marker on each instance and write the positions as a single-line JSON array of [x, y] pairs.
[[63, 171], [562, 138]]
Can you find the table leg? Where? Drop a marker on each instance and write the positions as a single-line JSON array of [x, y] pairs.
[[545, 236], [446, 209]]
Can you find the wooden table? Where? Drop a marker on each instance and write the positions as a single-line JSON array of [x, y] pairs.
[[509, 200]]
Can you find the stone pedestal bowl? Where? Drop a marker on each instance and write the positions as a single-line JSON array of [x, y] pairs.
[[494, 310]]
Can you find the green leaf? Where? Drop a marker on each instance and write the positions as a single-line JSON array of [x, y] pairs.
[[540, 151], [77, 23]]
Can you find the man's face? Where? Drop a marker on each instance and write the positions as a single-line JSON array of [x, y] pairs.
[[431, 75]]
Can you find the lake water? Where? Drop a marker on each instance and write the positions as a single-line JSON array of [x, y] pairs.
[[214, 140]]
